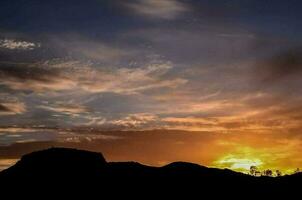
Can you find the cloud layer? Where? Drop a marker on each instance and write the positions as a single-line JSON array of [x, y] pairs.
[[12, 108], [75, 75], [165, 9]]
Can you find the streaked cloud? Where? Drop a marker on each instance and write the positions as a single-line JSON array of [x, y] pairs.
[[100, 51], [163, 9], [33, 77], [282, 66], [79, 138], [80, 76], [12, 108], [18, 45], [30, 134], [136, 121], [70, 109]]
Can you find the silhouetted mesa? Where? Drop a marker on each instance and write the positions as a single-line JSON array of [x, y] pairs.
[[56, 162]]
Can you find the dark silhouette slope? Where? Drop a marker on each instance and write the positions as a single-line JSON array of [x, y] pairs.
[[61, 167]]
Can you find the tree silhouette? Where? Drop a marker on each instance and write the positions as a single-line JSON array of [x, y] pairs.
[[268, 172], [278, 173], [253, 170]]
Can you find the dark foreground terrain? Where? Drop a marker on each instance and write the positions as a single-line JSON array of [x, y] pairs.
[[73, 171]]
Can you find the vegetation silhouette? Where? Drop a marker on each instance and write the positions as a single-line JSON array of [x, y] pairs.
[[71, 168]]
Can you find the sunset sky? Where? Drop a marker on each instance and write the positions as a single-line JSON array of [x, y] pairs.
[[215, 82]]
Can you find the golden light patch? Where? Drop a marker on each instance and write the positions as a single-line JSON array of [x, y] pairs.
[[238, 164], [6, 163], [241, 158]]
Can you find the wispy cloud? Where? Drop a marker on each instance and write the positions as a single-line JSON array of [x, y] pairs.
[[34, 77], [282, 66], [126, 80], [162, 9], [69, 109], [18, 45], [94, 50], [81, 76], [78, 138], [12, 135], [12, 108], [136, 121]]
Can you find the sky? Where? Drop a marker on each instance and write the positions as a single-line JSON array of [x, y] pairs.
[[216, 82]]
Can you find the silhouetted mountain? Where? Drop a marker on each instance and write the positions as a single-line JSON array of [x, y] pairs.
[[64, 168]]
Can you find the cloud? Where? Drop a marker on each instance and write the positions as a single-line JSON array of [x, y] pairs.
[[12, 135], [249, 113], [229, 124], [4, 108], [33, 77], [190, 120], [193, 46], [163, 9], [17, 130], [24, 72], [282, 66], [80, 76], [30, 134], [18, 45], [132, 80], [94, 50], [237, 163], [69, 109], [12, 108], [100, 50], [136, 121], [79, 138]]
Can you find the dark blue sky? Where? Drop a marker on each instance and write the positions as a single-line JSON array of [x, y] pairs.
[[109, 17]]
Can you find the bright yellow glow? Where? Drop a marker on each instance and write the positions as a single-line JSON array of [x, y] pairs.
[[239, 164], [241, 158]]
